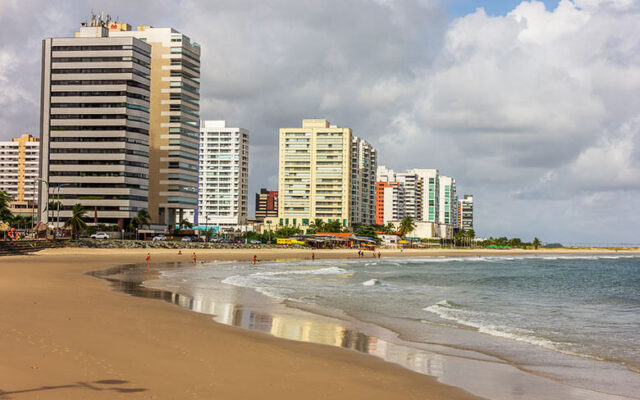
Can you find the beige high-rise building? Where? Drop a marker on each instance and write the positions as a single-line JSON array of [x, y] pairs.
[[19, 171], [174, 120], [314, 174], [95, 125]]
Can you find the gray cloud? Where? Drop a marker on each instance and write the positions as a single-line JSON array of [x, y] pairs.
[[535, 112]]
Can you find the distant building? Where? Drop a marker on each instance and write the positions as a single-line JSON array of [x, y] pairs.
[[314, 174], [266, 204], [390, 202], [413, 185], [224, 176], [465, 212], [364, 163], [448, 204], [430, 210], [95, 125], [18, 173]]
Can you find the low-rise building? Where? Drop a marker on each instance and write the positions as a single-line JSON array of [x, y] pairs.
[[266, 204]]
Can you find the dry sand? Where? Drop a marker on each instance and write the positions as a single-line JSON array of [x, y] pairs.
[[66, 335]]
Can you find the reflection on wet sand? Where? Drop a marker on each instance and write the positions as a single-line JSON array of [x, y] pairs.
[[479, 374]]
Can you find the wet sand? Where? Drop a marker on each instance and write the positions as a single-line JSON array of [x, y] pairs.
[[64, 334]]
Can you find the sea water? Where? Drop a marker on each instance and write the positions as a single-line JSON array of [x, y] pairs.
[[572, 320]]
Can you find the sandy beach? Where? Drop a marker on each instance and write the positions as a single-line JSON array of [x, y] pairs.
[[65, 334]]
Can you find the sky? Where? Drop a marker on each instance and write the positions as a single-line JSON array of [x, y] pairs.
[[534, 107]]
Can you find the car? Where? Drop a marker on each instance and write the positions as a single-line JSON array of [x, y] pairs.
[[197, 239], [100, 235], [186, 239], [255, 241], [159, 238]]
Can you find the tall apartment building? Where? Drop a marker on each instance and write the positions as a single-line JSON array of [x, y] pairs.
[[266, 204], [431, 193], [314, 174], [174, 117], [390, 202], [364, 163], [19, 171], [448, 202], [413, 186], [224, 176], [95, 124], [465, 212]]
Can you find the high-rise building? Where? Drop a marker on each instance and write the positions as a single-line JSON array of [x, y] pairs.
[[266, 204], [390, 202], [174, 117], [314, 174], [448, 213], [431, 193], [224, 176], [19, 172], [413, 185], [95, 124], [384, 174], [364, 163], [465, 212]]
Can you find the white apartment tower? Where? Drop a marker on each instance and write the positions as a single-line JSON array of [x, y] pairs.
[[95, 124], [431, 193], [364, 163], [448, 202], [413, 194], [224, 176], [465, 212]]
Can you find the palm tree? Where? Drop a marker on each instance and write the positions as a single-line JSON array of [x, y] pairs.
[[389, 228], [407, 225], [142, 217], [317, 225], [536, 243], [5, 213], [76, 221], [185, 224]]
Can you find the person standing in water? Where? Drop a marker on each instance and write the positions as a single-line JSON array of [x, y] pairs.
[[313, 256], [194, 257]]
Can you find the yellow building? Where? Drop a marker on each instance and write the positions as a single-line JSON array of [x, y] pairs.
[[314, 174], [19, 171]]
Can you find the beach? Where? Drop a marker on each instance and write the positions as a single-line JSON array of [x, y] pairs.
[[65, 334]]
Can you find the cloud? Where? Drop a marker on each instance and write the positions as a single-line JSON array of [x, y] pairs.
[[535, 111]]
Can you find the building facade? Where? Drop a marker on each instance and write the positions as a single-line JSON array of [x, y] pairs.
[[465, 212], [224, 176], [19, 160], [95, 125], [174, 118], [431, 193], [266, 204], [364, 163], [413, 186], [390, 202], [448, 202], [314, 175]]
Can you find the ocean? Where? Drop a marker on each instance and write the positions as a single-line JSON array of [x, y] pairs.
[[531, 327]]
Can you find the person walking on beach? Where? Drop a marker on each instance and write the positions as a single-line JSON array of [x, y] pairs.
[[194, 257], [148, 259], [313, 256], [379, 254]]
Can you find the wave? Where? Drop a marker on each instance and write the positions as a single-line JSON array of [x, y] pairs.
[[321, 271], [372, 282], [473, 319]]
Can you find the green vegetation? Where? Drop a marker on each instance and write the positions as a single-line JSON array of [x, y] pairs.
[[287, 231], [368, 231], [5, 213], [406, 225], [185, 224], [536, 243], [76, 221]]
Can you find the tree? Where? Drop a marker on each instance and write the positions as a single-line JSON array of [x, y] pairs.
[[5, 213], [286, 231], [76, 221], [185, 224], [389, 228], [367, 231], [406, 225], [316, 226], [142, 218], [333, 227], [536, 243]]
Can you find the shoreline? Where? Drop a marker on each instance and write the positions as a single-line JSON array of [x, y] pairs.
[[68, 335], [136, 345]]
